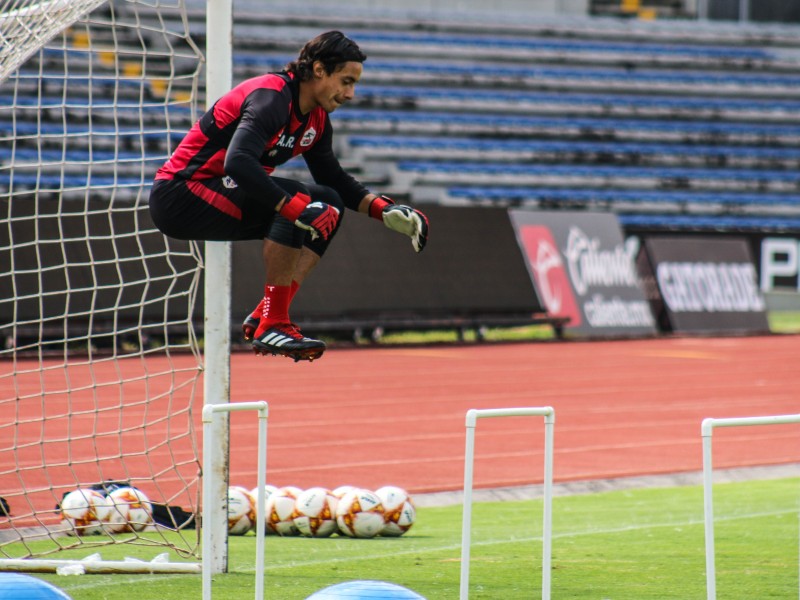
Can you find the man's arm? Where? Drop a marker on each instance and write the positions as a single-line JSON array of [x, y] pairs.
[[325, 169], [263, 115]]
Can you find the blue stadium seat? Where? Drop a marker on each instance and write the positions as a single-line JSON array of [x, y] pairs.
[[480, 168], [606, 196], [78, 180], [519, 126], [643, 77], [710, 223], [367, 92], [574, 45], [450, 144]]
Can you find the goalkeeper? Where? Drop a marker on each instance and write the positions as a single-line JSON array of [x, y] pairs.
[[218, 183]]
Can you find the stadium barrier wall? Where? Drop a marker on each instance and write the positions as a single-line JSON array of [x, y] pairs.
[[584, 270], [473, 265], [699, 284]]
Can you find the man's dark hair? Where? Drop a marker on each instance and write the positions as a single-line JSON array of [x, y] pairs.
[[332, 49]]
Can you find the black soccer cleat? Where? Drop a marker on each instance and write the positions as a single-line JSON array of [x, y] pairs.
[[285, 339], [249, 327]]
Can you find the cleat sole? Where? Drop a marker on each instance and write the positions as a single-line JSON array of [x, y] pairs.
[[309, 354]]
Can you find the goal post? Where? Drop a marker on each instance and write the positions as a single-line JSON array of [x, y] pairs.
[[100, 365], [219, 78]]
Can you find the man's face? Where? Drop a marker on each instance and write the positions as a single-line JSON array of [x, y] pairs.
[[331, 91]]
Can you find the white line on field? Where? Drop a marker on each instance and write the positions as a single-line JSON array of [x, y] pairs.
[[532, 539]]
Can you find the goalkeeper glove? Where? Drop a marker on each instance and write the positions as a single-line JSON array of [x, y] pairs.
[[403, 219], [317, 217]]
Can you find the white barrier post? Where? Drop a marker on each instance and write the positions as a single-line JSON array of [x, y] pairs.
[[547, 529], [707, 429], [209, 410]]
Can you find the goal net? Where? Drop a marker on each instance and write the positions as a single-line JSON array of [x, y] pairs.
[[99, 361]]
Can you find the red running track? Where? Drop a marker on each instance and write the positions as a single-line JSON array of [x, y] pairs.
[[395, 415], [376, 416]]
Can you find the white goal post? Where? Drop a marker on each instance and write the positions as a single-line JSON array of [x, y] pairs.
[[219, 79], [100, 365]]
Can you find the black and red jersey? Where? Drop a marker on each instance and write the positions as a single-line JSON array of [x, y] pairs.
[[254, 128]]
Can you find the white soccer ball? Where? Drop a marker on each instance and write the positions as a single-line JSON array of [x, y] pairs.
[[137, 505], [79, 511], [360, 514], [268, 490], [241, 510], [398, 509], [280, 511], [315, 512], [342, 490], [102, 511], [116, 519]]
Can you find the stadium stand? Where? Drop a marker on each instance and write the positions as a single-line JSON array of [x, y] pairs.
[[690, 124], [672, 125], [648, 119]]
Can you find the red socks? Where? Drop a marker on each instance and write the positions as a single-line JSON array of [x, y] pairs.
[[274, 306]]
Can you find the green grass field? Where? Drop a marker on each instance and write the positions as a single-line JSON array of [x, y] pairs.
[[623, 545]]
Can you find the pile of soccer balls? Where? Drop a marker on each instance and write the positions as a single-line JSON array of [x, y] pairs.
[[88, 511], [320, 512]]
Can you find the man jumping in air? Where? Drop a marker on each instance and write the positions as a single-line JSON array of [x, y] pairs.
[[218, 184]]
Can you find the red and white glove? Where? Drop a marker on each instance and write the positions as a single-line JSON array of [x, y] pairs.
[[403, 219], [317, 217]]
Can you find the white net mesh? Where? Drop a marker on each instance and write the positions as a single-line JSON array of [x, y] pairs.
[[99, 363]]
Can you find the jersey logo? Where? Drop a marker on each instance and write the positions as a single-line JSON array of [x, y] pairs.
[[229, 183], [308, 137]]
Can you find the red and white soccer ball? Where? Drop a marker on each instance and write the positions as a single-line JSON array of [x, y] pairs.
[[79, 510], [342, 490], [315, 512], [241, 510], [399, 511], [268, 489], [360, 514], [129, 510], [280, 511]]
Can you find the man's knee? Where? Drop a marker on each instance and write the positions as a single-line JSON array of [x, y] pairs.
[[287, 233], [330, 197]]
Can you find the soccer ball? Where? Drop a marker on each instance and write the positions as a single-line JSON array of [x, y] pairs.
[[116, 518], [130, 510], [280, 511], [360, 514], [342, 490], [79, 511], [398, 508], [241, 510], [315, 512], [268, 490]]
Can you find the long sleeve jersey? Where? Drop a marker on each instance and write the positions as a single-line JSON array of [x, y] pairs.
[[254, 128]]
